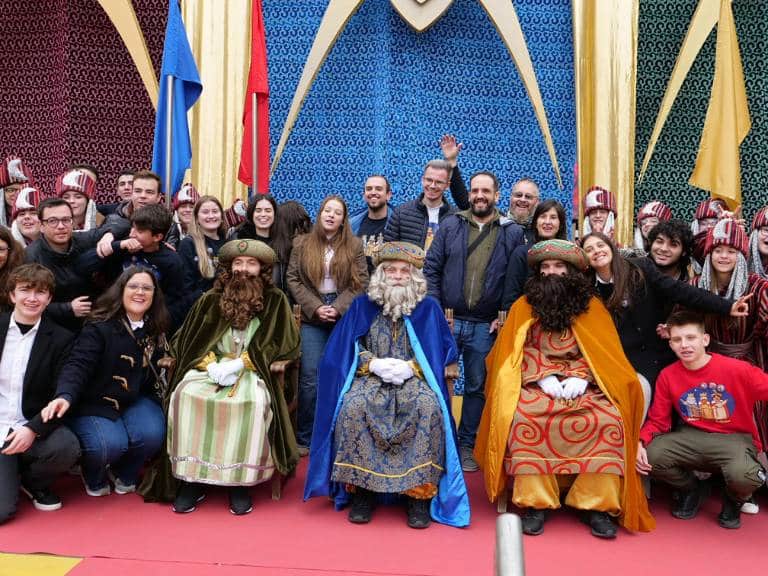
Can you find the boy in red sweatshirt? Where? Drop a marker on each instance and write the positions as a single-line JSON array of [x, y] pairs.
[[714, 396]]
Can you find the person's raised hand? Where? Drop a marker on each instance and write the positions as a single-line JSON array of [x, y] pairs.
[[450, 148]]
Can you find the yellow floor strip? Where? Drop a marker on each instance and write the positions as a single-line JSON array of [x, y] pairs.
[[36, 565]]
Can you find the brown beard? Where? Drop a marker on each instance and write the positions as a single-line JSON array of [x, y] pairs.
[[557, 300], [242, 298]]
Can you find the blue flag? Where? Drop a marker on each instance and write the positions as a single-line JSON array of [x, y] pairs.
[[179, 64]]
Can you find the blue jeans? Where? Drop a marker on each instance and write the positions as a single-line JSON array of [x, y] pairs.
[[313, 339], [123, 444], [474, 342]]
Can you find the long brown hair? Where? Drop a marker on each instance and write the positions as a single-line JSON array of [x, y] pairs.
[[628, 279], [110, 304], [345, 246], [14, 260]]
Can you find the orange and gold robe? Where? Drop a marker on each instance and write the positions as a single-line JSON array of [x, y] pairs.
[[599, 344], [554, 436]]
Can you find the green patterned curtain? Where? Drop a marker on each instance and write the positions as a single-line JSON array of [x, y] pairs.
[[662, 28]]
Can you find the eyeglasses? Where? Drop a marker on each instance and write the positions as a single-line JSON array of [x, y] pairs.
[[522, 195], [54, 222], [433, 182], [140, 287]]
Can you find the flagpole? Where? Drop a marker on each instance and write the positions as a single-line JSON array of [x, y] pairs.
[[168, 143], [254, 138]]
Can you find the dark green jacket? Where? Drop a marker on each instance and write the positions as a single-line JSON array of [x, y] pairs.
[[277, 338]]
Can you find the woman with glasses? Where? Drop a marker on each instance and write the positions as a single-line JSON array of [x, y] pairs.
[[110, 386]]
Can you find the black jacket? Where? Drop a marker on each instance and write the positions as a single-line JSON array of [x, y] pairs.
[[71, 280], [194, 283], [165, 264], [409, 222], [105, 372], [445, 268], [636, 321], [118, 222], [49, 351]]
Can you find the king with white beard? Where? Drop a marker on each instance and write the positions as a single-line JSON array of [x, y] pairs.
[[382, 422]]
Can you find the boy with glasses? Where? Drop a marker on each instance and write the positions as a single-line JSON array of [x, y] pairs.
[[58, 250]]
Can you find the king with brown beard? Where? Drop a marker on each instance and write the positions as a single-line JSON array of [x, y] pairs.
[[563, 406], [228, 421]]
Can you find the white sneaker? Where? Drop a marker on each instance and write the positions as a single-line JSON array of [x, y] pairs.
[[750, 507]]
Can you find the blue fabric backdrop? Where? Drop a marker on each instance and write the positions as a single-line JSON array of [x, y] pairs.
[[386, 94]]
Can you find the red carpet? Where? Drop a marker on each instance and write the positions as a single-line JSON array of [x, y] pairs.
[[122, 535]]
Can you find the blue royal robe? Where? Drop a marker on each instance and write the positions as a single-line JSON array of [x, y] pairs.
[[434, 348]]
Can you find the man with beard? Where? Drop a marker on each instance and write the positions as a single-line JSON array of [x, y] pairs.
[[523, 199], [564, 406], [228, 421], [383, 423], [467, 270], [369, 223]]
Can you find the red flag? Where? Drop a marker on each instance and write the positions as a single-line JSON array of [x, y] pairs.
[[257, 84]]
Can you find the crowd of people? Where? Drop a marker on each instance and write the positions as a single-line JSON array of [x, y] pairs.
[[137, 343]]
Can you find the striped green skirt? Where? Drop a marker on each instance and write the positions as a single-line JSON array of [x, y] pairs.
[[218, 435]]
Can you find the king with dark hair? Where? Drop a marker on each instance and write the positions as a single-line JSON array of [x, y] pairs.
[[563, 405]]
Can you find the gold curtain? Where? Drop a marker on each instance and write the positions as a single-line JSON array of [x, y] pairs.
[[220, 36], [605, 62]]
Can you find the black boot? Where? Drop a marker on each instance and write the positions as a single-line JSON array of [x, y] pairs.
[[418, 513], [688, 502], [601, 524], [239, 500], [533, 522], [362, 506], [187, 497], [730, 515]]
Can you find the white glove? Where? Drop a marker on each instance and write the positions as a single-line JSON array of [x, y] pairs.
[[573, 387], [383, 368], [218, 371], [551, 386], [401, 371], [229, 380]]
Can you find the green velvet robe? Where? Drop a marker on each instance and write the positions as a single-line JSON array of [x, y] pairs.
[[276, 339]]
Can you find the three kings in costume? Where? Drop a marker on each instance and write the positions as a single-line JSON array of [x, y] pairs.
[[383, 424], [563, 405], [228, 421]]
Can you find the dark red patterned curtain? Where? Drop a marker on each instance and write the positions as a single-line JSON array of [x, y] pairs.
[[69, 91]]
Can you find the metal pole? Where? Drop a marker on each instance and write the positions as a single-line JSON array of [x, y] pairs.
[[254, 140], [168, 143], [509, 546]]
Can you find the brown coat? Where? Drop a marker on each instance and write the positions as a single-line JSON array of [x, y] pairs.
[[306, 295]]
